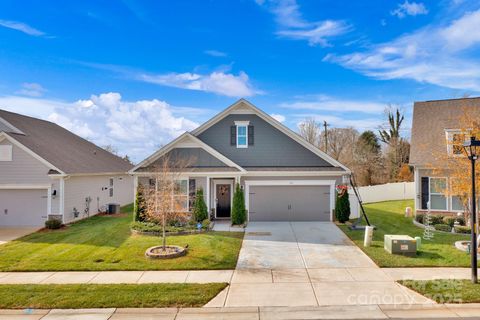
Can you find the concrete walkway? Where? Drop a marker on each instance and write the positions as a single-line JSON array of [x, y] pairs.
[[471, 311], [12, 233]]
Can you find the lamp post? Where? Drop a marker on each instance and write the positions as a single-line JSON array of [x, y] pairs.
[[471, 147]]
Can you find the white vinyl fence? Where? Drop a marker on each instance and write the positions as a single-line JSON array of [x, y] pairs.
[[381, 192]]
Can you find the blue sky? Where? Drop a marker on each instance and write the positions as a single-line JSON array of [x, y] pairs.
[[135, 74]]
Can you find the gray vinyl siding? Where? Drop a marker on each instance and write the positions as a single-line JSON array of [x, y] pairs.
[[271, 148], [196, 157], [79, 188], [338, 179]]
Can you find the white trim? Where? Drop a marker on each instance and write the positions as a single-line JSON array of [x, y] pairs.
[[242, 123], [29, 151], [62, 199], [135, 187], [49, 200], [24, 186], [274, 123], [222, 181], [11, 126], [417, 181], [241, 146], [173, 144], [207, 192], [330, 183]]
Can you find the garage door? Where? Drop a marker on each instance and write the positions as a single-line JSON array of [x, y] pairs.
[[23, 207], [289, 203]]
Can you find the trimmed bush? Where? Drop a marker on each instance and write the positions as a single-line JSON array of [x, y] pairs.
[[140, 204], [420, 217], [461, 220], [206, 224], [157, 228], [200, 211], [238, 210], [342, 207], [53, 224], [436, 219], [449, 221], [442, 227], [462, 229]]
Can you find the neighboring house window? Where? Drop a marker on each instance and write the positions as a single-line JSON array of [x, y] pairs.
[[6, 152], [455, 200], [457, 204], [455, 140], [438, 200], [111, 188], [241, 135]]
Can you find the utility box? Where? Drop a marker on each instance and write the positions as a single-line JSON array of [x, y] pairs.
[[113, 208], [400, 244]]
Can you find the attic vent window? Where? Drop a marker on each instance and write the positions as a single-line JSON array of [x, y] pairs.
[[6, 152], [241, 135]]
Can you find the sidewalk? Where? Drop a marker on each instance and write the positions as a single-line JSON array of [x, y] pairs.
[[234, 276], [471, 311]]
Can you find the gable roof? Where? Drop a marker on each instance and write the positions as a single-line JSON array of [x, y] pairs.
[[245, 107], [59, 148], [191, 141], [431, 120]]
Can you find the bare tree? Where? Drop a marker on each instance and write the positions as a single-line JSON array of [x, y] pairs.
[[368, 160], [111, 148], [341, 144], [310, 130], [167, 198]]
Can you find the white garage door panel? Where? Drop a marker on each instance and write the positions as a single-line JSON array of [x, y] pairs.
[[23, 207], [289, 203]]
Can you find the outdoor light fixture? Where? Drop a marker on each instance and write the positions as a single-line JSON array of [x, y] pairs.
[[472, 149]]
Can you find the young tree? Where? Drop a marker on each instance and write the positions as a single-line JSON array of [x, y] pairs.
[[342, 205], [238, 208], [200, 211], [167, 198]]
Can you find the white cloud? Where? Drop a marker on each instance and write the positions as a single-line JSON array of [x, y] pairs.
[[434, 54], [293, 26], [410, 9], [221, 83], [326, 103], [215, 53], [20, 26], [136, 128], [278, 117], [31, 89]]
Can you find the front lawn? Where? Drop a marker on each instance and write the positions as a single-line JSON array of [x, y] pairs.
[[389, 218], [76, 296], [105, 243], [446, 291]]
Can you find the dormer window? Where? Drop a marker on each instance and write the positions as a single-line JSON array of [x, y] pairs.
[[455, 140], [241, 134]]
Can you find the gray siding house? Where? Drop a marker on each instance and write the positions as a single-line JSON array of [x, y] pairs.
[[285, 178], [47, 171]]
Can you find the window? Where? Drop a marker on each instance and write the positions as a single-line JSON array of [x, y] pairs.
[[455, 140], [180, 195], [6, 152], [438, 200], [241, 133], [111, 187], [455, 200]]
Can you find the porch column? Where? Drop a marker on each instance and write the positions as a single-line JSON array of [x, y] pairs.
[[62, 198], [207, 193], [135, 186], [416, 181]]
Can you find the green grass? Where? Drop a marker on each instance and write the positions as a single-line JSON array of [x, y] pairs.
[[446, 291], [105, 243], [75, 296], [389, 218]]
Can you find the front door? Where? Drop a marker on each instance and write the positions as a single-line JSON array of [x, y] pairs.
[[223, 192]]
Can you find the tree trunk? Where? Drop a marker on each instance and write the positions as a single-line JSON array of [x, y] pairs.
[[163, 233]]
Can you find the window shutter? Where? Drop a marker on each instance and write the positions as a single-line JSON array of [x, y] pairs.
[[425, 192], [233, 135], [250, 135]]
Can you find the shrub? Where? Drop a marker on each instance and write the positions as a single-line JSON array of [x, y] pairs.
[[462, 229], [419, 217], [140, 205], [436, 219], [206, 224], [449, 220], [342, 207], [442, 227], [461, 220], [238, 210], [53, 224], [200, 211]]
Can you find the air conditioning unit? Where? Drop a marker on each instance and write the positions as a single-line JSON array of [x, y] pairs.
[[400, 244]]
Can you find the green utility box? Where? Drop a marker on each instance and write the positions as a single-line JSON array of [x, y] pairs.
[[400, 244]]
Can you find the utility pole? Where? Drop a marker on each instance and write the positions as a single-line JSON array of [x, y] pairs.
[[326, 135]]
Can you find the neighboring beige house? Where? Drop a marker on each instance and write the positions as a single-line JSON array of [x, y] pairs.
[[285, 178], [47, 171], [435, 126]]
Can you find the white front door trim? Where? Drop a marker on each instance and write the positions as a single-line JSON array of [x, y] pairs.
[[222, 181], [330, 183]]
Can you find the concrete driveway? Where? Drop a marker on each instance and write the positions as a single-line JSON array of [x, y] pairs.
[[307, 264], [9, 234]]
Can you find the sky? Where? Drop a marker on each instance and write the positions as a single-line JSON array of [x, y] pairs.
[[136, 74]]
